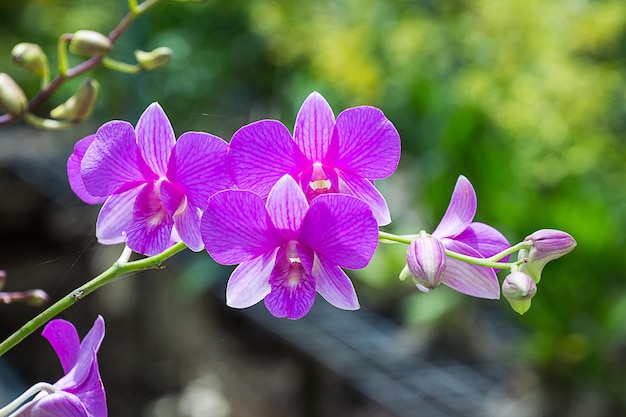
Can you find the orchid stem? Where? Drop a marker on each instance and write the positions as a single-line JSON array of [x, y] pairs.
[[119, 268], [491, 262]]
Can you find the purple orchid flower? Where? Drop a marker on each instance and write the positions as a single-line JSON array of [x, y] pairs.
[[458, 233], [80, 392], [288, 250], [154, 188], [323, 156]]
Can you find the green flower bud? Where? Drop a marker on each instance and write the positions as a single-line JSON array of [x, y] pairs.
[[154, 59], [80, 105], [31, 57], [90, 43], [518, 288], [12, 98]]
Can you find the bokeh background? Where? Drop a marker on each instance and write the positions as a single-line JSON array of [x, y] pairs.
[[527, 99]]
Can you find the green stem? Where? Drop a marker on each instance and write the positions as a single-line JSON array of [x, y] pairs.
[[120, 66], [491, 262], [119, 268]]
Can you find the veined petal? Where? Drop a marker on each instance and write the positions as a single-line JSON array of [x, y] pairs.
[[155, 138], [64, 339], [292, 287], [187, 224], [487, 240], [151, 229], [342, 229], [365, 143], [363, 189], [249, 282], [198, 165], [73, 171], [53, 405], [113, 164], [314, 127], [334, 285], [115, 217], [460, 212], [261, 153], [87, 353], [287, 206], [235, 227], [474, 280], [91, 391]]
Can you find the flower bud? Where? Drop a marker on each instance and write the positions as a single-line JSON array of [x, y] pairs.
[[154, 59], [426, 260], [518, 288], [80, 105], [31, 57], [547, 245], [90, 43], [36, 298], [3, 279], [12, 98]]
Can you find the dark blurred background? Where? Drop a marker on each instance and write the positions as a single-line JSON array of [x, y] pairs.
[[527, 99]]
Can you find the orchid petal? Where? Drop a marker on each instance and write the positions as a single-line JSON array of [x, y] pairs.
[[151, 229], [113, 164], [487, 240], [64, 339], [342, 229], [469, 279], [249, 282], [91, 391], [334, 285], [54, 405], [287, 207], [114, 219], [73, 171], [187, 225], [460, 212], [364, 190], [261, 153], [365, 143], [314, 127], [155, 138], [236, 228], [87, 353], [198, 165], [292, 288]]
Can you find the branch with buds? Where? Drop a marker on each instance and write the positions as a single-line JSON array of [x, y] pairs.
[[95, 47]]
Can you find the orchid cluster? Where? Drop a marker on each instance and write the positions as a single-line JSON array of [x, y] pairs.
[[291, 210]]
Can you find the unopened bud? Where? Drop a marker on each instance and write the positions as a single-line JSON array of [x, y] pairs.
[[90, 43], [80, 105], [12, 98], [3, 279], [426, 260], [518, 288], [31, 57], [36, 298], [547, 245], [154, 59]]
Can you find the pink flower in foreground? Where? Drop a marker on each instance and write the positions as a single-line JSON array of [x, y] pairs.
[[80, 392], [288, 249], [324, 155], [457, 232], [154, 188]]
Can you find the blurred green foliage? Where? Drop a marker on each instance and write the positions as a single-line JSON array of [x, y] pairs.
[[525, 98]]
